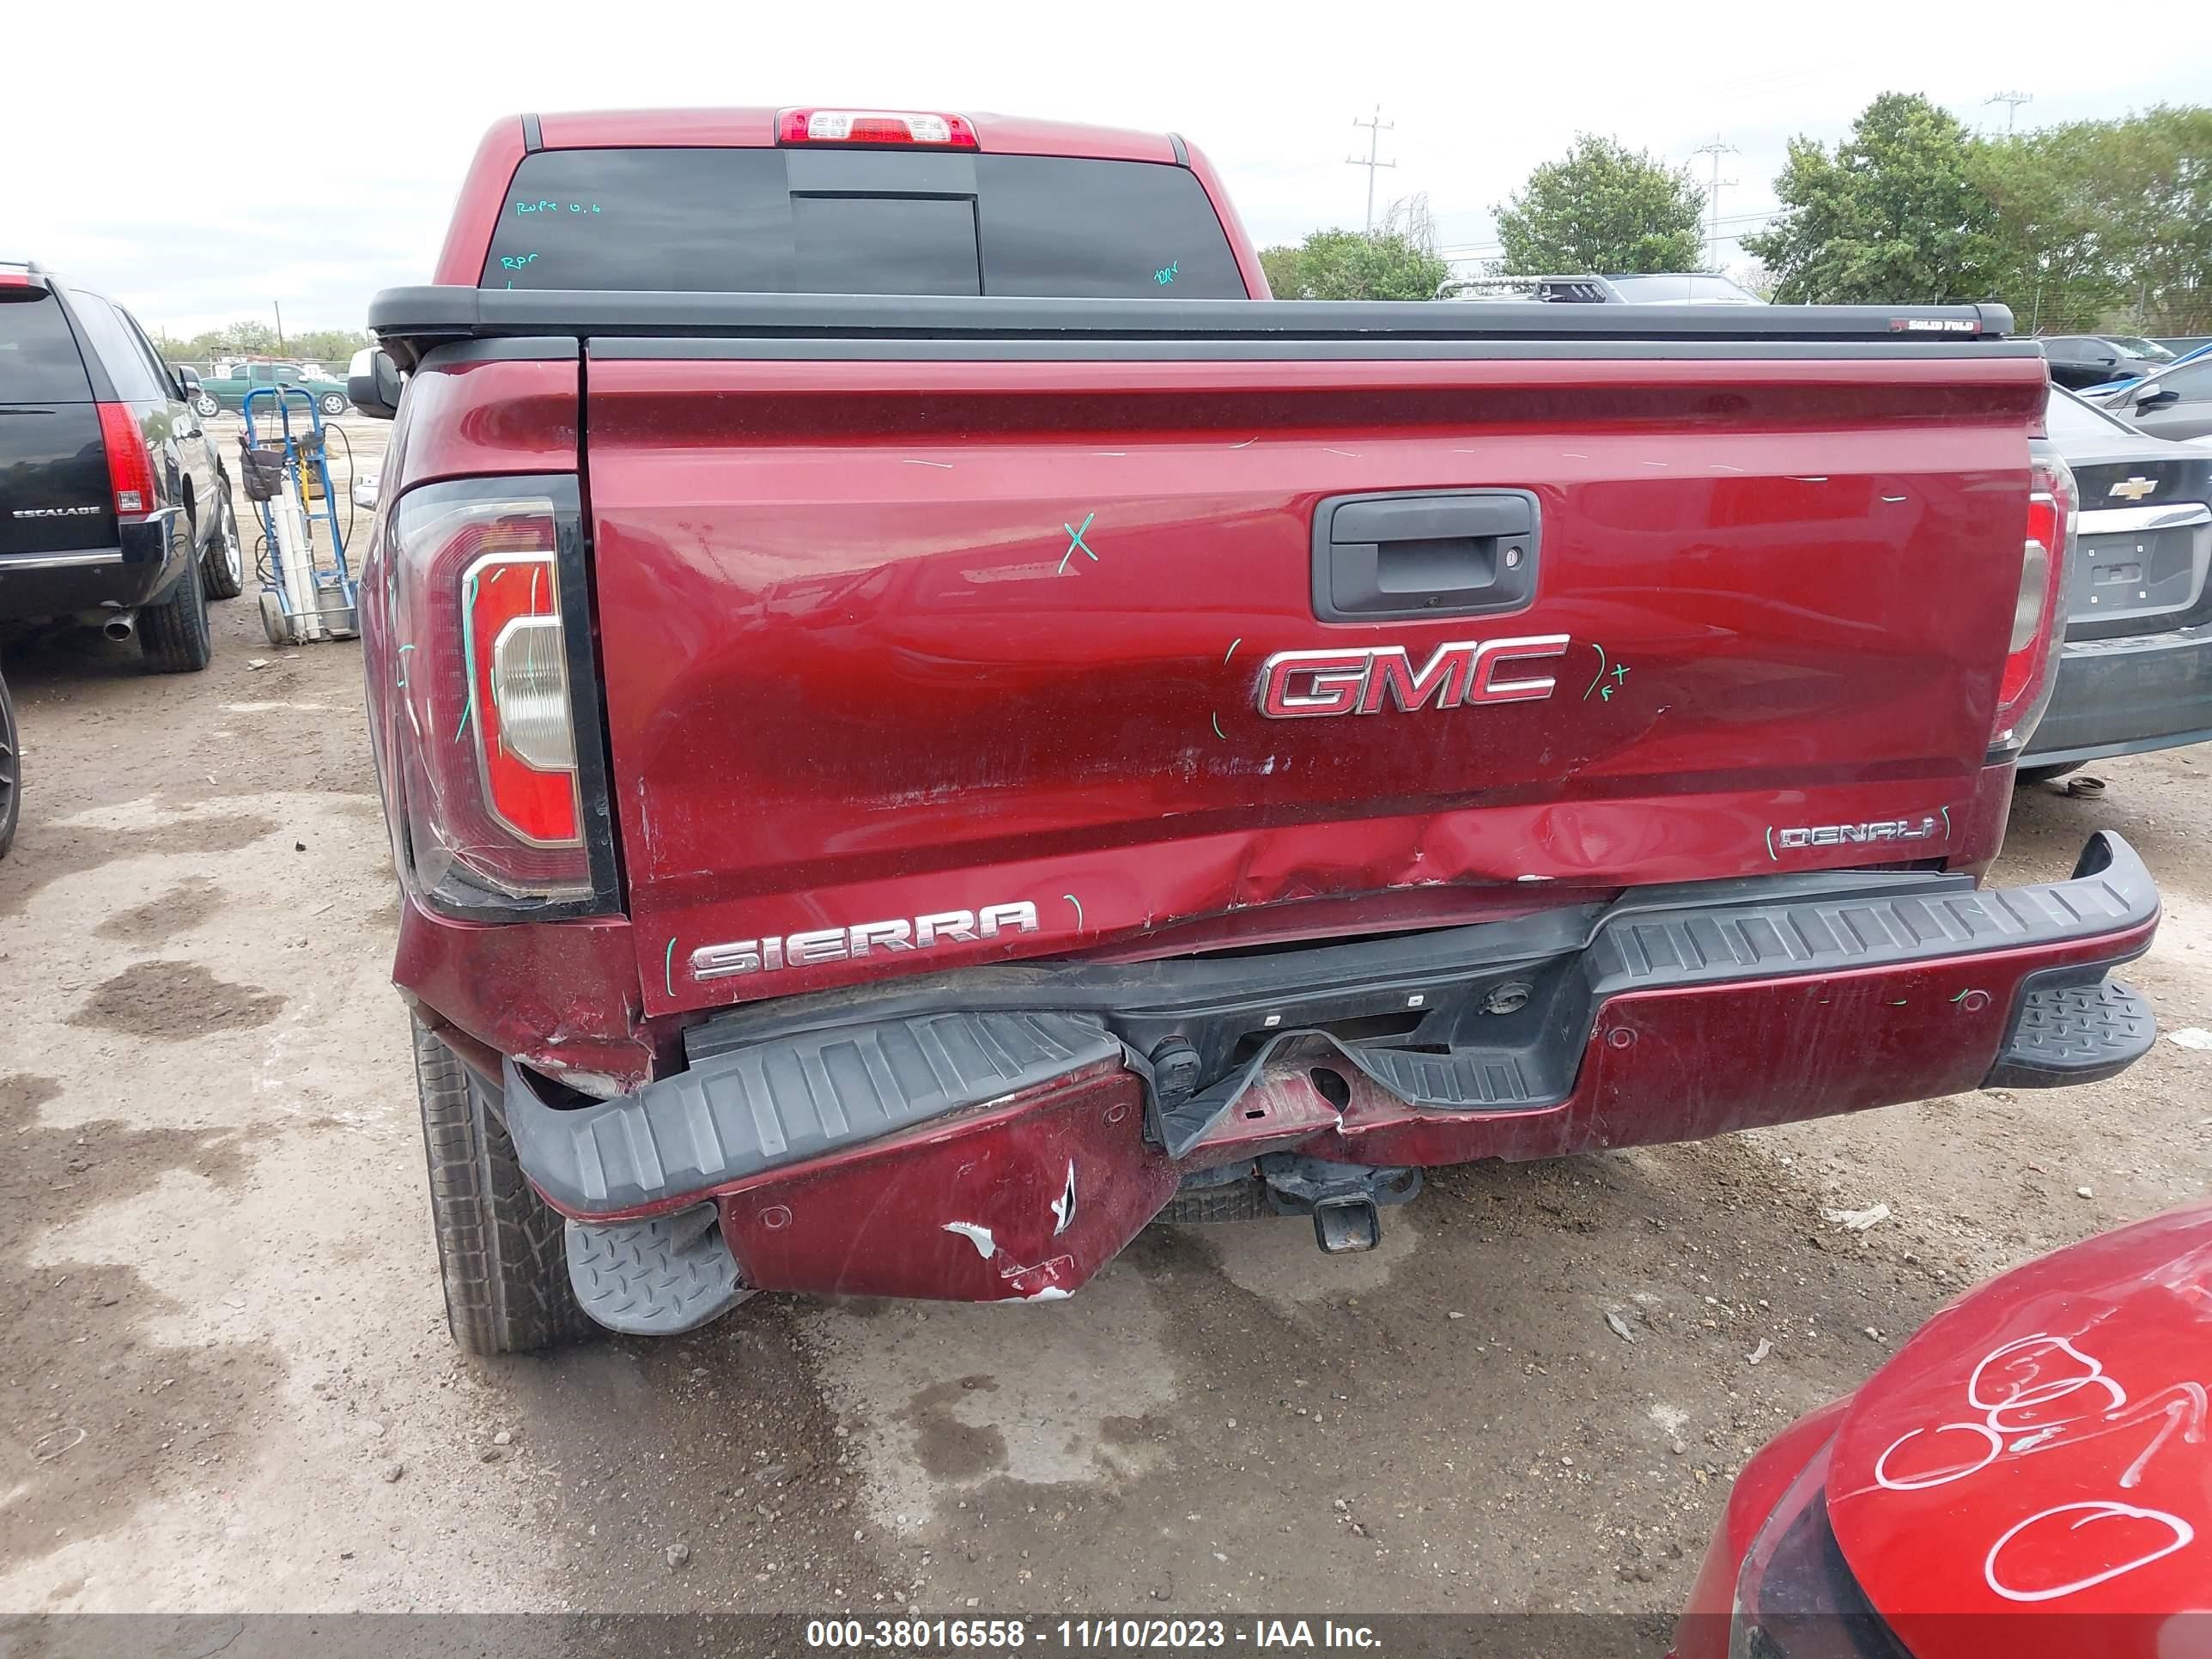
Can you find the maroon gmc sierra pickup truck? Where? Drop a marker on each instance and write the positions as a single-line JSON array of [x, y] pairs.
[[926, 723]]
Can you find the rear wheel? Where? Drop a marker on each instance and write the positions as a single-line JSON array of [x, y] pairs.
[[2045, 773], [206, 407], [1234, 1201], [500, 1251], [224, 559], [334, 403], [174, 634], [11, 775]]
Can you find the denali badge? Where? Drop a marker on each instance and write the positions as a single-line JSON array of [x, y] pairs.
[[753, 956], [1843, 835], [1307, 684]]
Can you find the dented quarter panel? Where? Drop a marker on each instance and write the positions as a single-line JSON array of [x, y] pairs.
[[560, 996]]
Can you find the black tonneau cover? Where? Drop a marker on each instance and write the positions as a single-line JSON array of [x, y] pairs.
[[411, 321]]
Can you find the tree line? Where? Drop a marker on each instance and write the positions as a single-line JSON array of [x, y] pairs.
[[2077, 227], [332, 347]]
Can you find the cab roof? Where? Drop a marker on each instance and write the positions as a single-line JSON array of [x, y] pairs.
[[756, 128]]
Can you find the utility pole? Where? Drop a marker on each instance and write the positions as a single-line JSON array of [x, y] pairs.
[[1716, 149], [2012, 101], [1375, 127], [279, 304]]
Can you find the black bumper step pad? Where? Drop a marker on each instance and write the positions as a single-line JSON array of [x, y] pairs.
[[655, 1278], [2069, 1034]]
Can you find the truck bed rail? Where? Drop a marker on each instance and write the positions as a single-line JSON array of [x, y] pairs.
[[411, 321]]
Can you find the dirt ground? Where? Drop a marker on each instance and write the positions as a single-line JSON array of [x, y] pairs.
[[226, 1383]]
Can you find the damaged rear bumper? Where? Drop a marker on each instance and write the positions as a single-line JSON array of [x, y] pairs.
[[1001, 1137]]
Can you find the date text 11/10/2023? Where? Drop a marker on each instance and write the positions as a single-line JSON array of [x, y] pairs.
[[1087, 1635]]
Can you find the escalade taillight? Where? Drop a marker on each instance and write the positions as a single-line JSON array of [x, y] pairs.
[[485, 575], [129, 463], [2039, 618]]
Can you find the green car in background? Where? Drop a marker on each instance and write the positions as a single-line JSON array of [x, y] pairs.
[[219, 391]]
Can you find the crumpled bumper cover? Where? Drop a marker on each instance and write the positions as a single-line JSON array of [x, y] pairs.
[[784, 1102], [995, 1152]]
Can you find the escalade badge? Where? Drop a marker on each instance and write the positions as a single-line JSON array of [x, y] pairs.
[[1303, 685], [2134, 489]]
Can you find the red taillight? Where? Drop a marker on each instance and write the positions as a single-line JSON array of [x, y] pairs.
[[484, 728], [874, 126], [129, 463], [526, 743], [14, 279], [2038, 622]]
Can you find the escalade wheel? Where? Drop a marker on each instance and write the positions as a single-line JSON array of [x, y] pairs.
[[225, 560], [10, 778], [174, 634], [500, 1251]]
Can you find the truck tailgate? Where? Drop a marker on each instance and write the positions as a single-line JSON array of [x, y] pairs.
[[917, 660]]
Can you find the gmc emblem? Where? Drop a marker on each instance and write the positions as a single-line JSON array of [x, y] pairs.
[[1300, 685]]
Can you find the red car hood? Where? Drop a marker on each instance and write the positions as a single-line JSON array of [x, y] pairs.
[[2040, 1447]]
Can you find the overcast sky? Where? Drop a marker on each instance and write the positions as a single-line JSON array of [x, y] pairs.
[[197, 182]]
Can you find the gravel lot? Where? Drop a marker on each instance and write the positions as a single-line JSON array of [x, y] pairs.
[[227, 1384]]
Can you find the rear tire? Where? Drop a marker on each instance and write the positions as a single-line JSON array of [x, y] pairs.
[[224, 562], [174, 634], [1235, 1201], [206, 407], [11, 775], [334, 403], [500, 1251], [2045, 774]]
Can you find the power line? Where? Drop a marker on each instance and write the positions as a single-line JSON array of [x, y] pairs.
[[2012, 101], [1716, 149], [1375, 127]]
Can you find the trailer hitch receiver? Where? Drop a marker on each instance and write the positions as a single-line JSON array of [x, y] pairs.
[[1345, 1200]]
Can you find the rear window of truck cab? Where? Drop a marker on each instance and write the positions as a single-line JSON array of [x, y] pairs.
[[860, 221]]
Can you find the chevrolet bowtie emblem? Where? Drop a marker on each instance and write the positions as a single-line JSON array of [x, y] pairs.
[[2134, 489]]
